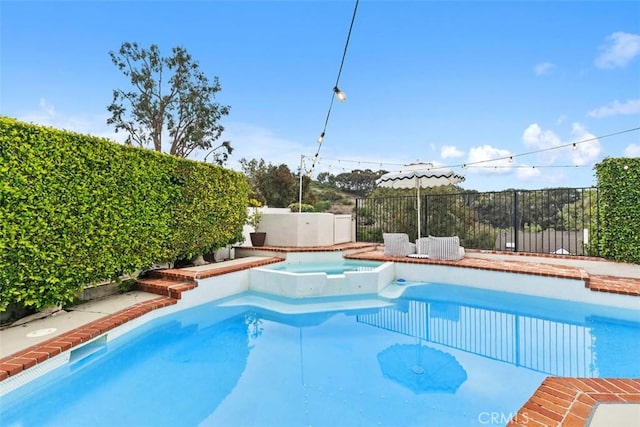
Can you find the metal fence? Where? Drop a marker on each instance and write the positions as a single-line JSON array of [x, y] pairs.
[[556, 347], [560, 220]]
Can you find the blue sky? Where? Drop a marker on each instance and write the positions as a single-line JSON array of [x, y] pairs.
[[449, 82]]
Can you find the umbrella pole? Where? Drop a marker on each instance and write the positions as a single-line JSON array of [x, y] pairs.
[[419, 213]]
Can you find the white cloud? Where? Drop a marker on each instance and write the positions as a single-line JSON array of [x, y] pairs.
[[248, 140], [548, 177], [537, 138], [480, 160], [528, 174], [256, 142], [49, 110], [616, 108], [632, 150], [543, 68], [450, 151], [88, 124], [584, 152], [618, 50]]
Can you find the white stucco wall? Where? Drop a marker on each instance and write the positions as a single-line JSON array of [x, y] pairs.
[[306, 229]]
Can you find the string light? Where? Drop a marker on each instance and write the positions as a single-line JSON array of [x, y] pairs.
[[479, 164], [337, 93], [557, 147], [340, 94], [527, 166]]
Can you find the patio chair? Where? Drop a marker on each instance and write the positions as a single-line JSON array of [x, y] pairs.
[[398, 244], [442, 248], [423, 245]]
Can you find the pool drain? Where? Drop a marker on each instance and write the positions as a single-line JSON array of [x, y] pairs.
[[417, 369]]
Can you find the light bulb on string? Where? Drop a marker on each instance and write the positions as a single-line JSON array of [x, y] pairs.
[[340, 95]]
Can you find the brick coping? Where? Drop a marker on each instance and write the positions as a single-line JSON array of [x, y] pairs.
[[29, 357], [169, 284], [571, 401], [600, 283], [558, 401]]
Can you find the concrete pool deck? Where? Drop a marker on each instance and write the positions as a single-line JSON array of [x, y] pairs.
[[558, 401]]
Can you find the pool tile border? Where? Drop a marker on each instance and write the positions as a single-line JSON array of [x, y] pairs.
[[616, 285], [557, 401], [168, 283], [38, 353], [571, 401], [547, 270], [597, 283]]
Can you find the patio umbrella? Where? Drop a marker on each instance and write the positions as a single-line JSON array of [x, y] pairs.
[[419, 175], [422, 369]]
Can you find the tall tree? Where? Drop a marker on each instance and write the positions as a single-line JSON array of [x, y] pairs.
[[255, 171], [359, 182], [170, 96], [274, 185]]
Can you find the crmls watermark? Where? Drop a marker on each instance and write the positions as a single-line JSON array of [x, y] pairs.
[[501, 418]]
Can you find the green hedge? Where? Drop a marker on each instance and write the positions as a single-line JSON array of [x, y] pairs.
[[76, 209], [619, 185], [211, 209]]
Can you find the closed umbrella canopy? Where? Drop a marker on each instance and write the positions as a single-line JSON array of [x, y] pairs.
[[419, 175]]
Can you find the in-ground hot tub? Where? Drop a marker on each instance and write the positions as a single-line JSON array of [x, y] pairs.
[[321, 274]]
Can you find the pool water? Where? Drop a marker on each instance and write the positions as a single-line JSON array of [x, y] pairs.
[[441, 355], [331, 267]]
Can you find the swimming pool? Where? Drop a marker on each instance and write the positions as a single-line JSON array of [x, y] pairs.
[[440, 355]]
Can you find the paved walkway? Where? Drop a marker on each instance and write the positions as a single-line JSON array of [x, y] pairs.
[[558, 401], [593, 266], [598, 275]]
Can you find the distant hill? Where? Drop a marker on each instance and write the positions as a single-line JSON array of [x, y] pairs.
[[331, 200]]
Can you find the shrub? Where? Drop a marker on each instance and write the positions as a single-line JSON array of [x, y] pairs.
[[78, 209], [619, 185], [295, 207]]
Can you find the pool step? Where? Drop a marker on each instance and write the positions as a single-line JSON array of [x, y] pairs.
[[167, 282], [289, 306]]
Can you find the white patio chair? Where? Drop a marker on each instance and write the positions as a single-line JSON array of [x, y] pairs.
[[442, 248], [398, 244]]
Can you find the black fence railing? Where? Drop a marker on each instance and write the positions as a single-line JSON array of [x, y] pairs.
[[560, 220], [554, 346]]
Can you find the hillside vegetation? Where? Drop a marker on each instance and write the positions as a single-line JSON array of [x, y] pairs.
[[330, 199]]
